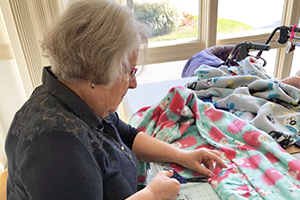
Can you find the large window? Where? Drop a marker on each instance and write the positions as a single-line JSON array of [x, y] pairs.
[[181, 29]]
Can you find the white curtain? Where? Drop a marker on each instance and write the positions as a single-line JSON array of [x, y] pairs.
[[22, 23]]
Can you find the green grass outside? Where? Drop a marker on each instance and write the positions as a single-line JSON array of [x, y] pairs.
[[181, 33], [224, 26], [230, 26]]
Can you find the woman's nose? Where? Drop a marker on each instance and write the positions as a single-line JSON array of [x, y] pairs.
[[132, 83]]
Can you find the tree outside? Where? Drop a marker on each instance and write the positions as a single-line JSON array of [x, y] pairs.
[[175, 19]]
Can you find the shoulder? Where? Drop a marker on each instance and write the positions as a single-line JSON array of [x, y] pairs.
[[41, 117], [45, 113]]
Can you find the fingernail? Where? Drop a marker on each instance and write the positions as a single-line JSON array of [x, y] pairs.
[[210, 175]]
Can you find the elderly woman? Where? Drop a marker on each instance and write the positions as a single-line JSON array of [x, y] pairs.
[[67, 141]]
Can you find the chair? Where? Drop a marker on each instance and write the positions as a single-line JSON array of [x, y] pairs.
[[214, 56], [3, 183]]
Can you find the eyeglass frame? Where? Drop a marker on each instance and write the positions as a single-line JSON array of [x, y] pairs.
[[132, 73]]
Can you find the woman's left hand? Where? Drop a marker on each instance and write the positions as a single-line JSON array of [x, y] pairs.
[[293, 81], [193, 160]]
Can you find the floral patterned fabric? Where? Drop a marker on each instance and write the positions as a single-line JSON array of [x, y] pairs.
[[258, 168]]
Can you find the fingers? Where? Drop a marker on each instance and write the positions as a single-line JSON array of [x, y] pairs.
[[217, 153], [215, 156], [162, 186], [208, 156], [205, 171], [168, 173], [209, 165]]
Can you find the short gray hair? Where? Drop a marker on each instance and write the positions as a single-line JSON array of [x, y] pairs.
[[93, 40]]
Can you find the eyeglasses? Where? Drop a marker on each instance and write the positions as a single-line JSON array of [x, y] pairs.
[[132, 73]]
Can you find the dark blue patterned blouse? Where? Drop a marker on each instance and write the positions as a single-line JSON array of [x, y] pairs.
[[58, 148]]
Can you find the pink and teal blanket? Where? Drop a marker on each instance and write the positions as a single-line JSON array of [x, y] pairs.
[[258, 168]]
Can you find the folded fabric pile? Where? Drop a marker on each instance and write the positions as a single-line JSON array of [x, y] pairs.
[[251, 94]]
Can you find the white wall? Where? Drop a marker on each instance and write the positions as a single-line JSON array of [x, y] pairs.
[[12, 97], [12, 94]]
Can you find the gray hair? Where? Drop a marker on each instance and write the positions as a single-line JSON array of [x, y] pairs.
[[93, 40]]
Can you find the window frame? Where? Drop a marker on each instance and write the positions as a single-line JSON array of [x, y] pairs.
[[284, 61], [207, 30]]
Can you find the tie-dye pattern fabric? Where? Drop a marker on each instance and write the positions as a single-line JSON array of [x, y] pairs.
[[251, 94], [258, 168]]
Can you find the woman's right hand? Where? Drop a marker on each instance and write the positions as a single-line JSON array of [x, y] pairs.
[[163, 187]]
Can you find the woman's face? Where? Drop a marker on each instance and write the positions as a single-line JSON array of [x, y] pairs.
[[109, 98]]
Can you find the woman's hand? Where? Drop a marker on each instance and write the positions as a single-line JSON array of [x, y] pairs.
[[162, 187], [292, 80], [149, 149], [193, 160]]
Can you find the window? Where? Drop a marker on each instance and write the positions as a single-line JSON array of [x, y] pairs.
[[182, 48], [296, 63], [238, 18]]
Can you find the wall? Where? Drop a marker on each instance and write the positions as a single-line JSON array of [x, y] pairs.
[[12, 94]]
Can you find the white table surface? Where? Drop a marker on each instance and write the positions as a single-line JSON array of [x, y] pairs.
[[147, 95]]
